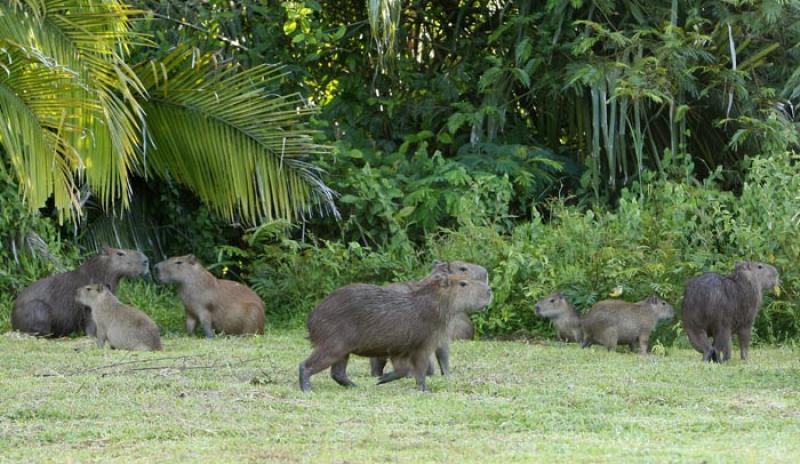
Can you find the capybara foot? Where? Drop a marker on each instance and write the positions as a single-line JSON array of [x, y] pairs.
[[305, 379]]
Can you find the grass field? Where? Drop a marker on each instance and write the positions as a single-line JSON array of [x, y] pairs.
[[236, 400]]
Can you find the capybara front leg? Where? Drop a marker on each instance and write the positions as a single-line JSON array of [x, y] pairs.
[[191, 324], [443, 357], [643, 342], [744, 342], [376, 366]]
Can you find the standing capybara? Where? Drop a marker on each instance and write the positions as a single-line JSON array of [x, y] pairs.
[[460, 327], [221, 306], [613, 321], [48, 306], [125, 327], [718, 306], [567, 321], [368, 320]]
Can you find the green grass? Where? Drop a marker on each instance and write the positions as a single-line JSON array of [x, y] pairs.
[[236, 400]]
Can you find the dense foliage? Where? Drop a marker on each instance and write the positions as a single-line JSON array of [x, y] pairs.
[[567, 145]]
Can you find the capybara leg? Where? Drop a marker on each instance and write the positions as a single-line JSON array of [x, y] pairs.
[[208, 328], [91, 328], [33, 318], [443, 356], [339, 373], [700, 342], [632, 346], [643, 339], [376, 366], [101, 339], [609, 338], [722, 343], [420, 363], [391, 377], [191, 324], [744, 342], [315, 363], [305, 378]]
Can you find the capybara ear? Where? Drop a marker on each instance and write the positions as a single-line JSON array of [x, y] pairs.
[[191, 259], [440, 265], [107, 251], [743, 266], [108, 287], [441, 279], [653, 299]]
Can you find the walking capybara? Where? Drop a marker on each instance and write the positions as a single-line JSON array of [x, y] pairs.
[[125, 327], [48, 307], [613, 321], [368, 320], [460, 327], [567, 321], [221, 306], [718, 306]]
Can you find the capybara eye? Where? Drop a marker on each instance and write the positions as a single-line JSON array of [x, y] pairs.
[[462, 283], [760, 266], [552, 300], [463, 268], [119, 253], [178, 262]]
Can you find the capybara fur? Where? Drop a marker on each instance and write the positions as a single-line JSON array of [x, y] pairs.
[[558, 309], [610, 322], [460, 327], [221, 306], [368, 320], [123, 326], [48, 307], [719, 306]]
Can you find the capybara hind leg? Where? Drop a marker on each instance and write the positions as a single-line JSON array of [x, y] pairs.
[[33, 318], [401, 370], [700, 342], [722, 343], [376, 366], [744, 342], [339, 373], [315, 363], [443, 357]]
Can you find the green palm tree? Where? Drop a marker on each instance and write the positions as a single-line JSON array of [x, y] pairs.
[[74, 114]]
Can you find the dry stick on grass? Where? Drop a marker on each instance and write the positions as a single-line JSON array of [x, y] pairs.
[[145, 368]]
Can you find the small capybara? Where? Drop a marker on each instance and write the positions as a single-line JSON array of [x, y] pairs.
[[48, 307], [221, 306], [718, 306], [460, 327], [125, 327], [614, 321], [368, 320], [558, 308]]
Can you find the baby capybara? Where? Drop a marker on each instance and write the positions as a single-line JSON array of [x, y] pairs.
[[558, 309], [718, 306], [460, 327], [368, 320], [123, 326], [613, 321], [48, 306], [221, 306]]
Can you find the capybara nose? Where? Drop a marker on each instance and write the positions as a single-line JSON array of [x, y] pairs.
[[538, 309]]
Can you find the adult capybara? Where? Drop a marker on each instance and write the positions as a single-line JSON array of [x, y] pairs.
[[368, 320], [125, 327], [718, 306], [558, 309], [48, 306], [613, 321], [221, 306], [460, 327]]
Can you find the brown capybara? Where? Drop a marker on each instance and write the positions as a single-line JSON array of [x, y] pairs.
[[123, 326], [558, 309], [48, 307], [368, 320], [221, 306], [614, 321], [460, 327], [718, 306]]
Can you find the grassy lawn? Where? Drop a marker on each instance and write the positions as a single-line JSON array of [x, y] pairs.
[[236, 400]]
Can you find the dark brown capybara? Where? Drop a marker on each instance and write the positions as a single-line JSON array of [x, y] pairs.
[[368, 320], [123, 326], [221, 306], [48, 306], [614, 321], [558, 309], [460, 327], [719, 306]]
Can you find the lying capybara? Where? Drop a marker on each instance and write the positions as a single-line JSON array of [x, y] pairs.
[[48, 306], [718, 306], [125, 327], [614, 321], [368, 320], [221, 306], [460, 327], [558, 309]]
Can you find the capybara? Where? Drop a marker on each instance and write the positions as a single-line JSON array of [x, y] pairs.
[[123, 326], [460, 327], [614, 321], [718, 306], [221, 306], [368, 320], [558, 308], [48, 307]]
